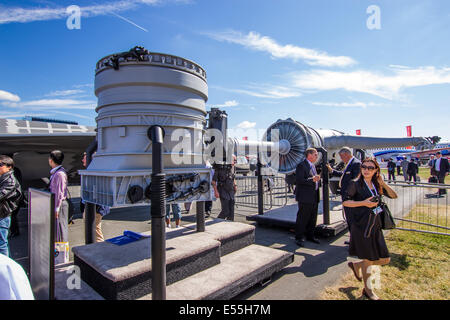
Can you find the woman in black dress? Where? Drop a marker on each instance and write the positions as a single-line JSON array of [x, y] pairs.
[[366, 236]]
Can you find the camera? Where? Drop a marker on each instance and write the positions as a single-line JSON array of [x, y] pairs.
[[375, 199]]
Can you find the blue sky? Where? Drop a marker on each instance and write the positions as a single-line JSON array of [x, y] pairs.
[[314, 61]]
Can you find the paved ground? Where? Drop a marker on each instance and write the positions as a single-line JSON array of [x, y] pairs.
[[314, 267]]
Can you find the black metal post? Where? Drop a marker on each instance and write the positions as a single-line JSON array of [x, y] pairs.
[[158, 213], [89, 211], [89, 223], [200, 216], [325, 185], [260, 186]]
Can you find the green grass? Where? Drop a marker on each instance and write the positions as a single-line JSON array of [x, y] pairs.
[[419, 267]]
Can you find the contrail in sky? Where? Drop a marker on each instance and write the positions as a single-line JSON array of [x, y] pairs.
[[129, 21]]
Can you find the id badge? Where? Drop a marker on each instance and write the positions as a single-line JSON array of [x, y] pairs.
[[377, 210]]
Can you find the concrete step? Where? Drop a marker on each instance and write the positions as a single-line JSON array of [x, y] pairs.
[[232, 235], [237, 272], [125, 272]]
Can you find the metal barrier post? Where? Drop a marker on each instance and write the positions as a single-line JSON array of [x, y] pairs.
[[158, 213], [200, 216], [89, 214], [325, 189], [260, 187], [89, 223]]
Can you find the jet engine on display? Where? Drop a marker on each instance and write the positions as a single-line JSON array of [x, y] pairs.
[[139, 89]]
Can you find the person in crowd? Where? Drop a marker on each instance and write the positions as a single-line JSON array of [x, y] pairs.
[[366, 237], [14, 283], [10, 194], [431, 165], [412, 170], [14, 229], [58, 186], [209, 204], [225, 188], [100, 211], [187, 207], [391, 169], [399, 166], [405, 164], [350, 172], [176, 211], [442, 168], [290, 181], [307, 196]]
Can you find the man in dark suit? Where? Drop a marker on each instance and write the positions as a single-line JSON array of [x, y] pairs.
[[307, 195], [351, 171], [442, 168], [412, 171], [391, 169]]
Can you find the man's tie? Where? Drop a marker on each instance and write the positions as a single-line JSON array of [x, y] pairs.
[[313, 169]]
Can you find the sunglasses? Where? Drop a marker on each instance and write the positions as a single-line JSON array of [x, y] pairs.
[[367, 167]]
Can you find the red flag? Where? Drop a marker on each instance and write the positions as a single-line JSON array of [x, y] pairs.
[[409, 134], [358, 132], [245, 138]]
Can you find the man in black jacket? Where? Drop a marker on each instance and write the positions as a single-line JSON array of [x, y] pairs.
[[308, 197], [10, 194], [442, 168], [391, 169], [351, 171], [412, 171]]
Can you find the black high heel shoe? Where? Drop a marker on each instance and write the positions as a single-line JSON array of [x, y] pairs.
[[365, 294]]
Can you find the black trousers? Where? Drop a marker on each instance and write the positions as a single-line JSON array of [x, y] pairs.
[[208, 206], [441, 179], [227, 209], [306, 220], [391, 174], [412, 176]]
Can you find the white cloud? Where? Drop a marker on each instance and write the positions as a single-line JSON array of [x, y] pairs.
[[60, 104], [24, 15], [375, 83], [230, 103], [258, 42], [265, 91], [8, 96], [51, 104], [62, 93], [246, 125], [347, 104]]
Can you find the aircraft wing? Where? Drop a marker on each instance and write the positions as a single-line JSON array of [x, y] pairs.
[[45, 143], [426, 153], [30, 142]]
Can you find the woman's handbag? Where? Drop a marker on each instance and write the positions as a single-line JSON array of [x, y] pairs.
[[387, 220]]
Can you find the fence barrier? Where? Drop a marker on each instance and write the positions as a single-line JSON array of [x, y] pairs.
[[420, 207]]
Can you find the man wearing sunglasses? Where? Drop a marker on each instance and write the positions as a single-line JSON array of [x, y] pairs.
[[10, 193]]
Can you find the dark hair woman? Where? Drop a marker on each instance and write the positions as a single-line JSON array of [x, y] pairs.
[[366, 236]]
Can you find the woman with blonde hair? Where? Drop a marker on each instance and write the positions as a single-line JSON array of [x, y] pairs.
[[366, 236]]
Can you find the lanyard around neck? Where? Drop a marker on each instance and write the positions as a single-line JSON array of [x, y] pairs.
[[374, 188]]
